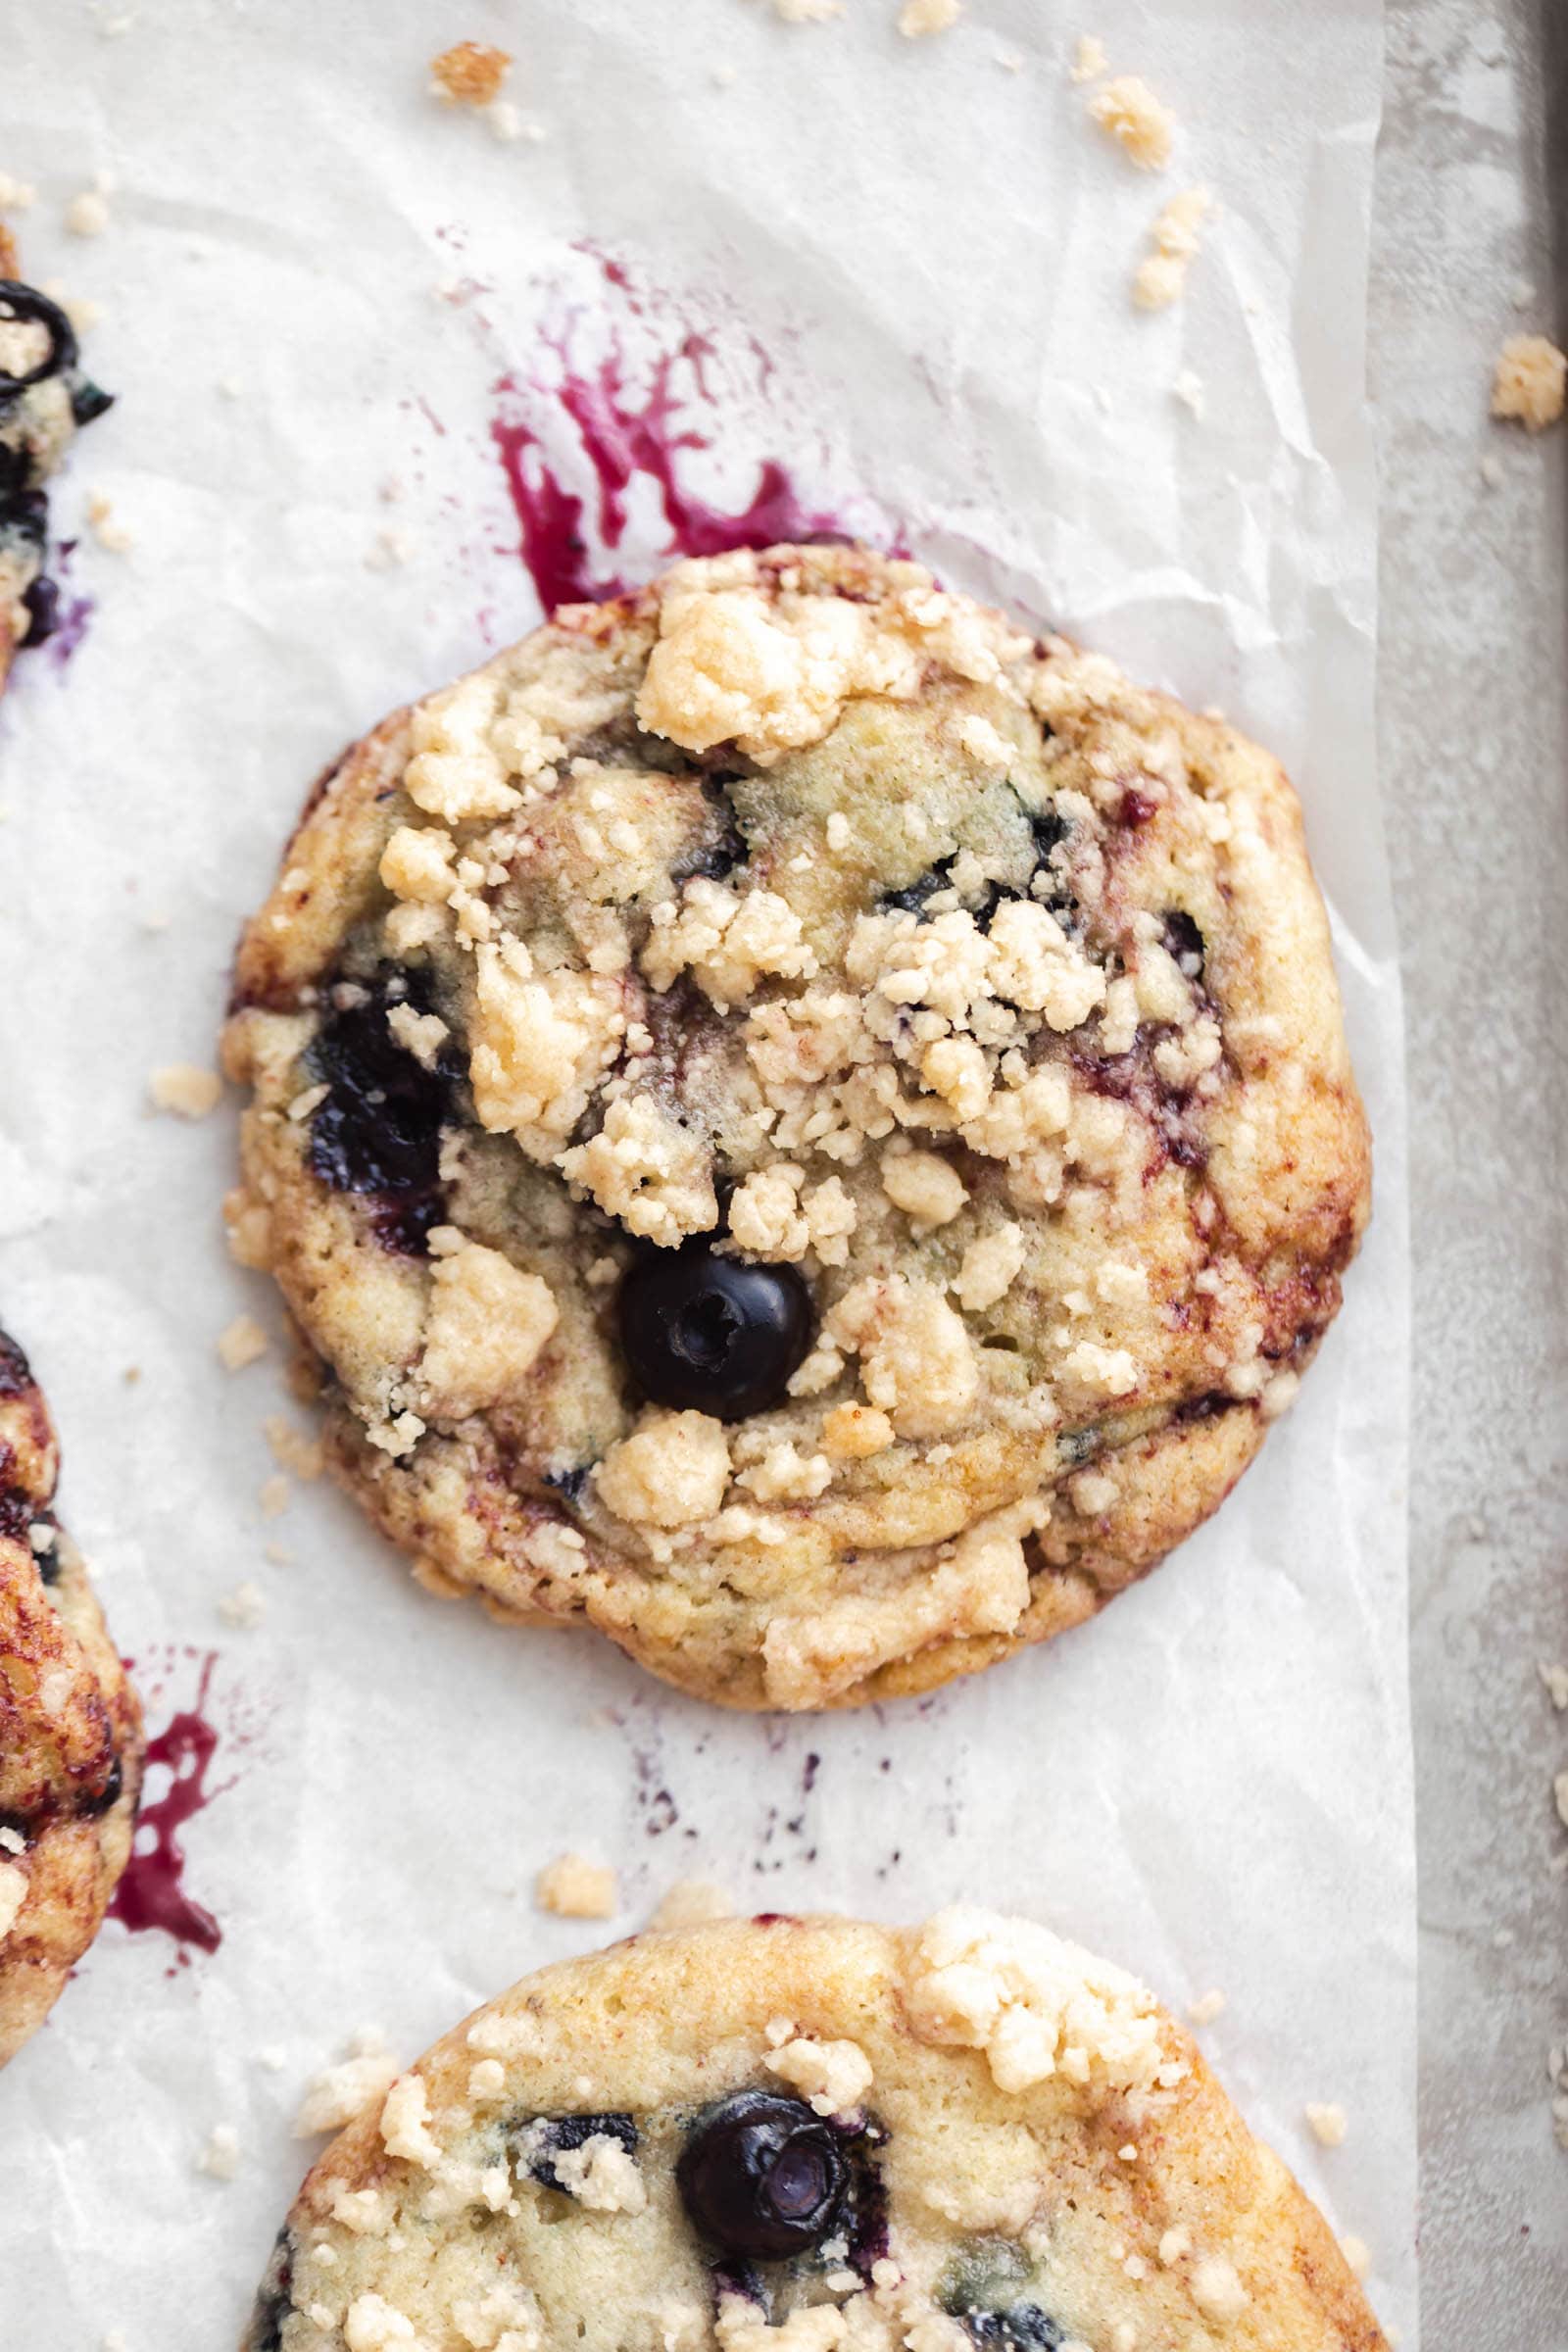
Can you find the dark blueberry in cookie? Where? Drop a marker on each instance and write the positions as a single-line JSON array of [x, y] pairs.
[[761, 2177], [912, 899], [712, 1335], [108, 1796], [1183, 943], [1050, 829], [19, 302], [550, 2136], [27, 516], [1021, 2327], [379, 1128], [572, 1484], [274, 2302]]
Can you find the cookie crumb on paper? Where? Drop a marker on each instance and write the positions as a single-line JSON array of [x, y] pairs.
[[111, 535], [186, 1091], [918, 19], [691, 1903], [1089, 60], [573, 1888], [87, 214], [219, 2158], [1554, 1682], [1161, 277], [1128, 111], [241, 1343], [1530, 385], [469, 74], [245, 1608], [1326, 2120], [1206, 2007]]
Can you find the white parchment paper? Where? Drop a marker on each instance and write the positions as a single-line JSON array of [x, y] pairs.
[[311, 283]]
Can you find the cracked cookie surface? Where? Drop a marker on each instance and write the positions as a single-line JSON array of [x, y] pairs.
[[71, 1743], [792, 2134], [802, 1125]]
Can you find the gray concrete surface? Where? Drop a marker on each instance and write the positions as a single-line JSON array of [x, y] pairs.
[[1474, 733]]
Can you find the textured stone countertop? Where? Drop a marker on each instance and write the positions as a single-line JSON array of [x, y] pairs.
[[1474, 733]]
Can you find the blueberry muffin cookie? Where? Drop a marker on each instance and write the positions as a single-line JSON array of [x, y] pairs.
[[802, 2134], [44, 397], [802, 1125], [71, 1744]]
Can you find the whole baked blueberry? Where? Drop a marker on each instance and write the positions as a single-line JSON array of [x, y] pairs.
[[712, 1335], [762, 2177]]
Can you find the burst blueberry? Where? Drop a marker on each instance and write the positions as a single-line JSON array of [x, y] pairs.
[[762, 2177], [19, 304], [712, 1335], [378, 1130]]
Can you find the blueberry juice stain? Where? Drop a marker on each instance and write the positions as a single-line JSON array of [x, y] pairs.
[[151, 1893], [623, 435]]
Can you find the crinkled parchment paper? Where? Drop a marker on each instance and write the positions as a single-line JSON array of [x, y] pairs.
[[911, 263]]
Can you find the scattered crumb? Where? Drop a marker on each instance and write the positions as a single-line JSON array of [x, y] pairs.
[[16, 196], [573, 1888], [1559, 1790], [88, 214], [1358, 2255], [1162, 277], [918, 17], [1089, 60], [1129, 113], [278, 1556], [1491, 470], [690, 1902], [115, 2342], [1009, 60], [180, 1087], [275, 1495], [1326, 2123], [469, 75], [273, 2057], [1187, 389], [245, 1608], [109, 533], [241, 1344], [389, 550], [1531, 382], [808, 12], [1554, 1682], [293, 1448], [232, 388], [220, 2158], [1206, 2007], [722, 78], [1521, 293]]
